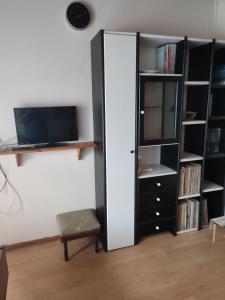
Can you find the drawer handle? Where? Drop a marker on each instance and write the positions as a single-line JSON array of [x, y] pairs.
[[157, 213], [158, 184], [158, 199], [157, 227]]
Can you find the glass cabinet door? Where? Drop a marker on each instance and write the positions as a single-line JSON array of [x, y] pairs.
[[159, 109]]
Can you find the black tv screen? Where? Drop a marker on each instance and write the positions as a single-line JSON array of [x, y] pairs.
[[36, 125]]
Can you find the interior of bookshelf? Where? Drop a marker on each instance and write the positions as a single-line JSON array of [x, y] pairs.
[[154, 48], [154, 162]]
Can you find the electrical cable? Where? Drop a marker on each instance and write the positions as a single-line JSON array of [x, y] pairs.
[[11, 205]]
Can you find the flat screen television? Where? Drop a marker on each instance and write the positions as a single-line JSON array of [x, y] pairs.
[[37, 125]]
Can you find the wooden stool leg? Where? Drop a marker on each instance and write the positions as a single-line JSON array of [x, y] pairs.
[[96, 245], [214, 233], [66, 258]]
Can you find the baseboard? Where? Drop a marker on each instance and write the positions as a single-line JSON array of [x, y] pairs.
[[33, 242]]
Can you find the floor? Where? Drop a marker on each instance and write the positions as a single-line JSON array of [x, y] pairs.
[[164, 267]]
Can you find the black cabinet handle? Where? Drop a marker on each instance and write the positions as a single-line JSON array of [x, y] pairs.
[[132, 151]]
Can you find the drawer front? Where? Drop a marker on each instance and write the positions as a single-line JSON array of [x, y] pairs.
[[155, 185], [157, 213], [156, 227], [160, 198]]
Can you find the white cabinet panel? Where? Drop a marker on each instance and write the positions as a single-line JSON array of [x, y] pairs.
[[120, 106]]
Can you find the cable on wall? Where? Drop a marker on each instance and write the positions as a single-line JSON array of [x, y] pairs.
[[7, 182]]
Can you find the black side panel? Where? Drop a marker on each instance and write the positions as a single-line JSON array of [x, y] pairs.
[[97, 58]]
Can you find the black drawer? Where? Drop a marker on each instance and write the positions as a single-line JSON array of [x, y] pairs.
[[155, 185], [155, 227], [159, 198], [157, 213]]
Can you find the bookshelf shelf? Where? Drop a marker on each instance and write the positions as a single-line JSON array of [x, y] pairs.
[[187, 156], [215, 155], [219, 84], [217, 118], [194, 122], [155, 170], [209, 186], [189, 196], [160, 74], [187, 230], [193, 83]]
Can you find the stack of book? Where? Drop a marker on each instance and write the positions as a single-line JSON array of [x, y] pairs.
[[188, 212], [205, 217], [213, 140], [190, 176], [165, 58]]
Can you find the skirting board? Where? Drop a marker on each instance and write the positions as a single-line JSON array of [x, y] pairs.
[[33, 242]]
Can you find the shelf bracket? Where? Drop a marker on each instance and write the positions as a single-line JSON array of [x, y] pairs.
[[78, 154], [18, 159]]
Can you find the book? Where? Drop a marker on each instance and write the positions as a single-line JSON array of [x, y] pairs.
[[188, 214], [190, 176], [213, 143], [205, 217], [166, 58]]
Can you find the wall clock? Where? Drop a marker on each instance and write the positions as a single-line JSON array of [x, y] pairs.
[[78, 15]]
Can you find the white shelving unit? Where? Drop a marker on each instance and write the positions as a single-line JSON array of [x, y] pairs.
[[187, 156], [188, 196], [186, 230], [192, 83], [154, 170], [194, 122], [209, 186]]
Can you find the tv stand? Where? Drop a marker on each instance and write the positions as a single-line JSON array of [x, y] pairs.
[[75, 146]]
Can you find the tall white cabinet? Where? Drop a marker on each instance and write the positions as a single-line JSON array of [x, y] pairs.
[[114, 105]]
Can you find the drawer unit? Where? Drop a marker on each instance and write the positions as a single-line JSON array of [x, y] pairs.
[[156, 226], [154, 185], [159, 198], [157, 213]]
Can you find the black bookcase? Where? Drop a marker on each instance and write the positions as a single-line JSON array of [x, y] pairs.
[[179, 135]]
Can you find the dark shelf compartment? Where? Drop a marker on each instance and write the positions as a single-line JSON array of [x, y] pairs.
[[200, 62], [197, 99]]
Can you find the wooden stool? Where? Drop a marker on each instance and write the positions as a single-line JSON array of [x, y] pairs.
[[217, 223], [77, 224]]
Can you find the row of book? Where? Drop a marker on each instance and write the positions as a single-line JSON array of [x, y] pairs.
[[190, 176], [213, 140], [165, 58], [188, 214]]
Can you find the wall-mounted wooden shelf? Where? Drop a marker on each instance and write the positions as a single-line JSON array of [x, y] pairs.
[[76, 146]]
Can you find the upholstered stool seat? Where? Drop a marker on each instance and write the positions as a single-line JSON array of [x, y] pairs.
[[77, 224]]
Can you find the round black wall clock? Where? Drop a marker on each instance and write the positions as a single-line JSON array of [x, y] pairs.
[[78, 15]]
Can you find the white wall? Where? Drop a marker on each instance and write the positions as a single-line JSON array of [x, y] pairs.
[[45, 62]]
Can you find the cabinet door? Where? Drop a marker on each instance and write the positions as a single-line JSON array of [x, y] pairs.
[[120, 109], [159, 106]]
